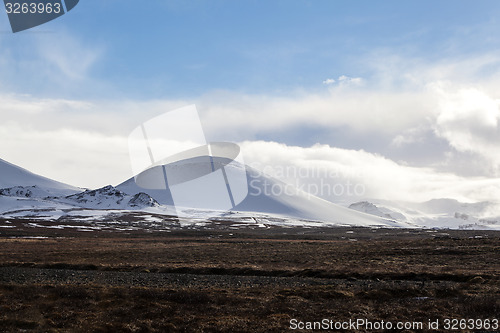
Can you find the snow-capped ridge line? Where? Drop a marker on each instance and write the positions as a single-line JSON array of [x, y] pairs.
[[436, 213], [25, 194], [109, 197], [14, 176], [296, 205]]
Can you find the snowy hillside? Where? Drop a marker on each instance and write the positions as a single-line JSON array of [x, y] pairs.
[[269, 202], [12, 176], [25, 194], [270, 196], [369, 208], [26, 191], [109, 197], [437, 213]]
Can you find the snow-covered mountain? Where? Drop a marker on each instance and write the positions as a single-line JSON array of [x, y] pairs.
[[14, 177], [109, 197], [23, 193], [269, 201], [442, 213], [271, 196], [369, 208], [26, 191]]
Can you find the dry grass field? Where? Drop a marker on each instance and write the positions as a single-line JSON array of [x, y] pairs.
[[243, 281]]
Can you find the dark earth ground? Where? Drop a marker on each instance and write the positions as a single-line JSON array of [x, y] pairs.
[[246, 280]]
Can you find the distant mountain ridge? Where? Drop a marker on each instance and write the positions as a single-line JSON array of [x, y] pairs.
[[271, 196], [12, 176], [23, 193], [442, 213], [109, 197]]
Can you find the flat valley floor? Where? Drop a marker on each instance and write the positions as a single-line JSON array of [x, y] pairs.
[[245, 280]]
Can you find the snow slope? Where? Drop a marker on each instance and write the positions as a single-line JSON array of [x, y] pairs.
[[269, 202], [92, 203], [370, 208], [109, 197], [436, 213], [274, 197], [26, 192], [14, 176]]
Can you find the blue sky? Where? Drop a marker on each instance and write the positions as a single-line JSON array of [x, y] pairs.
[[399, 87], [173, 49]]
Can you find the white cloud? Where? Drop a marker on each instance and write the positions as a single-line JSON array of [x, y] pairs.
[[67, 56], [101, 116], [469, 120], [50, 64], [94, 159], [76, 157], [83, 143], [321, 168], [409, 136], [343, 79], [89, 137], [365, 110]]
